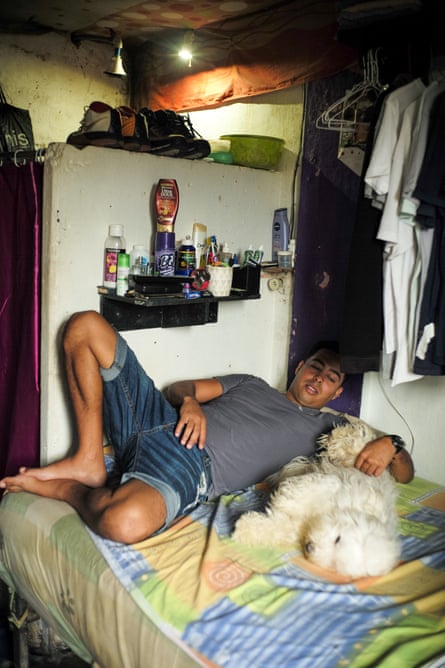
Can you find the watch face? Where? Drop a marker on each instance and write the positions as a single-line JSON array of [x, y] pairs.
[[397, 442]]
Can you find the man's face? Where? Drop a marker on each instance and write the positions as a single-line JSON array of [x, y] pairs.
[[317, 380]]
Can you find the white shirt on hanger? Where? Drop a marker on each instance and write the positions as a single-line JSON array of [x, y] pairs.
[[385, 175]]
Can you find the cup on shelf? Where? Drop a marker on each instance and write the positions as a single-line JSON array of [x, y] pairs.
[[284, 259], [220, 280]]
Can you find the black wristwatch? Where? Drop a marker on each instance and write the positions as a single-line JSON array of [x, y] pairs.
[[397, 442]]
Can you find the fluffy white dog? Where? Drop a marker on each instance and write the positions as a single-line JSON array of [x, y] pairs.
[[341, 518]]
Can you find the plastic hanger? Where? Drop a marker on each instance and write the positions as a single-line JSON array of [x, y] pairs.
[[361, 96]]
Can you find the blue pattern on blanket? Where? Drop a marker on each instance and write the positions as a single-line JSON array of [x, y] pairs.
[[241, 607]]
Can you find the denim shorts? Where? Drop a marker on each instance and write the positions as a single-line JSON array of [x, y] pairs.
[[139, 423]]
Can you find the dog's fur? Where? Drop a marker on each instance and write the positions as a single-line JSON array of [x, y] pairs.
[[341, 518]]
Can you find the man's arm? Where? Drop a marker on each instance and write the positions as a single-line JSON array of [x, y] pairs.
[[380, 454], [187, 395]]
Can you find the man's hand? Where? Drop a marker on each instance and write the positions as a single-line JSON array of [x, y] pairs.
[[191, 428], [375, 457]]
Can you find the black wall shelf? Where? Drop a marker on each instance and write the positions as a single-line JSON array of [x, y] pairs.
[[149, 309], [128, 313]]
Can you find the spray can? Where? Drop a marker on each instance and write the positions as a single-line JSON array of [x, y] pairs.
[[113, 247], [165, 253], [280, 232], [186, 258]]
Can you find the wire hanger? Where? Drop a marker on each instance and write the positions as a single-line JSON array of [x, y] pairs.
[[361, 94]]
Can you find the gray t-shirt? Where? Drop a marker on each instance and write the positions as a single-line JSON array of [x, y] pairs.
[[253, 430]]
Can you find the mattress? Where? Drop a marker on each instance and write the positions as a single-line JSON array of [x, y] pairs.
[[193, 597]]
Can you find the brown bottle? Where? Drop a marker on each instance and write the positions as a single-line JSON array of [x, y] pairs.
[[167, 204]]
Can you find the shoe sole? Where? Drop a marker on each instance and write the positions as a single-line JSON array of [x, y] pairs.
[[94, 139]]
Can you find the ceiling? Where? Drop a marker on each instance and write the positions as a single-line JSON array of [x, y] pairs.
[[127, 18], [262, 44]]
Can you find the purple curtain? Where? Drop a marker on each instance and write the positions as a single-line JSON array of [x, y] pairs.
[[328, 198], [20, 243]]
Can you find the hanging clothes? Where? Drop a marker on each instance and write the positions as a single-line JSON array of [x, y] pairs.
[[384, 178], [20, 240], [362, 325], [430, 191]]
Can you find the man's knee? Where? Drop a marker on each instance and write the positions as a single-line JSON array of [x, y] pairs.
[[79, 324], [136, 512], [86, 327]]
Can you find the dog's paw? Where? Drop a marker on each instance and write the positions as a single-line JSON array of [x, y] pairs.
[[250, 528], [245, 529]]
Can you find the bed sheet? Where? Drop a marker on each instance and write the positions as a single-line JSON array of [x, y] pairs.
[[192, 594]]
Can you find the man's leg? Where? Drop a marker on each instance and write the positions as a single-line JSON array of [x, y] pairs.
[[131, 513], [89, 343]]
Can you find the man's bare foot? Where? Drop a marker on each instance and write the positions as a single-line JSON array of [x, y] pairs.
[[53, 489], [87, 471]]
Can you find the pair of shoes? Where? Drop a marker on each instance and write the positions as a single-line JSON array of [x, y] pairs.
[[161, 132], [112, 128], [170, 124]]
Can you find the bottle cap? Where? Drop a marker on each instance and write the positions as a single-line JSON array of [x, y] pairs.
[[123, 260], [115, 230]]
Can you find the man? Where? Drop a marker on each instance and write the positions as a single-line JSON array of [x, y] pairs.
[[204, 438]]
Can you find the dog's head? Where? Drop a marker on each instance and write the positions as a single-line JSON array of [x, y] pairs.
[[351, 543]]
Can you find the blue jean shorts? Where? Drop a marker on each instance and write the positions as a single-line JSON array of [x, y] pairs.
[[139, 423]]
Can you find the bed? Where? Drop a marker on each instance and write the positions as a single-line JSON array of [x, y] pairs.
[[192, 597]]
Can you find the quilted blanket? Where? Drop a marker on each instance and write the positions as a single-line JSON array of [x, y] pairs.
[[234, 606]]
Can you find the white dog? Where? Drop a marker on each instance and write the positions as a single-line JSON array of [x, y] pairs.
[[341, 518]]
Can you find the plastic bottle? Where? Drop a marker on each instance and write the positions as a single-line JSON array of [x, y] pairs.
[[186, 258], [280, 233], [123, 269], [140, 260], [226, 254], [114, 245], [167, 204]]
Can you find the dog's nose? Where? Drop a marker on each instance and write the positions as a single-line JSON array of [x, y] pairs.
[[309, 547]]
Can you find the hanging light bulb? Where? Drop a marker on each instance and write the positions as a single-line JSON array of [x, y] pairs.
[[117, 68], [185, 52]]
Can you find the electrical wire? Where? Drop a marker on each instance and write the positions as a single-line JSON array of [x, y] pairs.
[[296, 168], [396, 410]]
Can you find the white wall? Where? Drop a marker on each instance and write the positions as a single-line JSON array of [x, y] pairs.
[[85, 191], [415, 410]]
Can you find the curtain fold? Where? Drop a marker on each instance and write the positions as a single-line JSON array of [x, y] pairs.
[[20, 242]]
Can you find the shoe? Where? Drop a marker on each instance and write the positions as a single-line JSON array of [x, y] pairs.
[[100, 126], [134, 133], [172, 123], [160, 140]]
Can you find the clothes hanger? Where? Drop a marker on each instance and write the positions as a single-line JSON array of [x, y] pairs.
[[361, 96]]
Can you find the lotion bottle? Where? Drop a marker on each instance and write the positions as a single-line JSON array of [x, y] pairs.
[[280, 232]]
